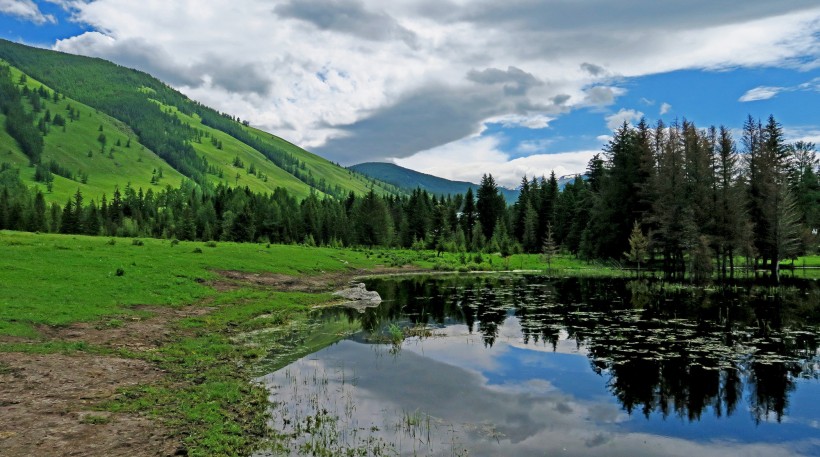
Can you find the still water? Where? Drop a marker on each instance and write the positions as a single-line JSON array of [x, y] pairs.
[[531, 366]]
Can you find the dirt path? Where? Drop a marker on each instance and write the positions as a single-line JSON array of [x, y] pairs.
[[47, 402]]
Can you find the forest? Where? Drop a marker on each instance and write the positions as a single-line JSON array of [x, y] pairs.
[[677, 198]]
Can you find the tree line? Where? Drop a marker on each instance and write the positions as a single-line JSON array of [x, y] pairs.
[[700, 200], [674, 197]]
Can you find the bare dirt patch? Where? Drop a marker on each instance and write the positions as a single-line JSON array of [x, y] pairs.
[[133, 333], [319, 283], [325, 282], [47, 407]]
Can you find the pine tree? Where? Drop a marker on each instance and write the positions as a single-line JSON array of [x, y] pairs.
[[490, 205], [549, 248], [638, 246], [67, 222], [468, 214], [732, 230], [671, 211]]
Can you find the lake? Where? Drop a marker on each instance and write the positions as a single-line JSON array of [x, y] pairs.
[[520, 365]]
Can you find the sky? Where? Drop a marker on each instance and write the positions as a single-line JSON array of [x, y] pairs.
[[457, 88]]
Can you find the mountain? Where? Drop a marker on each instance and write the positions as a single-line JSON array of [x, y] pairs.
[[75, 122], [408, 180]]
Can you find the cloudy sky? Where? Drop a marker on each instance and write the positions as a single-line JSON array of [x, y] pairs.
[[457, 88]]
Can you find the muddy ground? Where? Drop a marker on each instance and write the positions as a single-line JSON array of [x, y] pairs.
[[49, 402]]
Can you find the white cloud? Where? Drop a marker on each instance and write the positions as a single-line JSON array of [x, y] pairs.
[[26, 10], [469, 159], [534, 146], [665, 108], [805, 134], [536, 121], [365, 79], [767, 92], [760, 93], [616, 120]]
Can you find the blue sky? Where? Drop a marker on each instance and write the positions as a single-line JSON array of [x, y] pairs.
[[457, 88]]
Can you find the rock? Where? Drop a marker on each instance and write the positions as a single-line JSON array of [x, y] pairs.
[[358, 292]]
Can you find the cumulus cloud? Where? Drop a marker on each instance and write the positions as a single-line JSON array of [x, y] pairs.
[[347, 16], [514, 80], [616, 120], [665, 108], [361, 80], [469, 159], [594, 70], [808, 134], [560, 99], [26, 10], [601, 95]]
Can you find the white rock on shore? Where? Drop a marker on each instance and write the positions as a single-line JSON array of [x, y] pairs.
[[358, 292]]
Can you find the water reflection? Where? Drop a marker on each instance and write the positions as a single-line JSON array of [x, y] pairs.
[[503, 373], [669, 349]]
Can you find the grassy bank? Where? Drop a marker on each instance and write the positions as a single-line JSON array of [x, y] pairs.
[[53, 283], [92, 297], [82, 296]]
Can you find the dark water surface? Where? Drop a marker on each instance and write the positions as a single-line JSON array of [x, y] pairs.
[[525, 365]]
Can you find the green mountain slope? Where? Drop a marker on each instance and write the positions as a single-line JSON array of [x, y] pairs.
[[408, 180], [346, 179], [76, 148], [171, 132]]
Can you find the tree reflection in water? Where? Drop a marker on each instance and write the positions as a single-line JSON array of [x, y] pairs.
[[665, 349]]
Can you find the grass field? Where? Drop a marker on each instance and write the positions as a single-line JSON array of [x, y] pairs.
[[52, 282], [59, 279]]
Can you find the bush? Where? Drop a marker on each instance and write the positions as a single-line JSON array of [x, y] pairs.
[[174, 242], [120, 272], [111, 242], [211, 244], [442, 266], [198, 251], [136, 242]]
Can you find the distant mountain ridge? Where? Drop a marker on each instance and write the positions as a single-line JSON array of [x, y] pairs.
[[409, 180]]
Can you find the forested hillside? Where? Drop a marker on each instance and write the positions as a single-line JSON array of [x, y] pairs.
[[683, 199], [107, 107]]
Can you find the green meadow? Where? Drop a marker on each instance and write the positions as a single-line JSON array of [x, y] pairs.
[[206, 397]]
